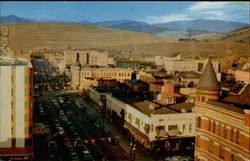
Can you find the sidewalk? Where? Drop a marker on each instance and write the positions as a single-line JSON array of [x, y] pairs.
[[124, 142]]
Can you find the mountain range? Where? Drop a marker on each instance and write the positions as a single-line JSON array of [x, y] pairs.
[[171, 30]]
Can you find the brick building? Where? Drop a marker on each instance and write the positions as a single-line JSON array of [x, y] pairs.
[[222, 129]]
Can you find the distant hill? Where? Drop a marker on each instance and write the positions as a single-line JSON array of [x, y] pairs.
[[132, 26], [37, 36], [13, 19], [219, 26], [171, 30], [241, 36], [16, 19], [30, 36], [178, 34]]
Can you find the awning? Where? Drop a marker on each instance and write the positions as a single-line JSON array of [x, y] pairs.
[[174, 132]]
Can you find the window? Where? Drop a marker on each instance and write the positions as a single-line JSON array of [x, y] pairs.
[[190, 127], [222, 131], [198, 98], [198, 140], [12, 130], [202, 99], [160, 130], [198, 122], [147, 128], [222, 152], [211, 146], [172, 127], [212, 126], [234, 157], [137, 121]]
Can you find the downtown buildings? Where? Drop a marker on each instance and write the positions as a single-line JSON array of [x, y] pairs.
[[222, 124]]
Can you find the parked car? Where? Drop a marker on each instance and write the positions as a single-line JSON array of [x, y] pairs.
[[98, 124]]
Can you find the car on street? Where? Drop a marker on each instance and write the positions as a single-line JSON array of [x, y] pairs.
[[98, 124]]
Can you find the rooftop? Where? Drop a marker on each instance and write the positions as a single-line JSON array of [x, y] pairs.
[[191, 74], [243, 98], [138, 83], [129, 97], [144, 107], [179, 106], [7, 60], [208, 79], [226, 106]]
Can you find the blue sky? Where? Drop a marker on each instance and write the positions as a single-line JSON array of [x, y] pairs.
[[146, 11]]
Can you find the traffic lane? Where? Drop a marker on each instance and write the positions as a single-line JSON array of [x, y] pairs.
[[53, 115], [117, 153], [95, 151]]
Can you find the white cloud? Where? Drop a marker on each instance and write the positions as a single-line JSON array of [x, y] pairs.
[[214, 13], [201, 6], [166, 18]]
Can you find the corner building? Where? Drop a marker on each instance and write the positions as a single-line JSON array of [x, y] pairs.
[[222, 130], [15, 109]]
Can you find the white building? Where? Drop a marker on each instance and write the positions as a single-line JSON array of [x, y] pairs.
[[149, 122], [15, 108]]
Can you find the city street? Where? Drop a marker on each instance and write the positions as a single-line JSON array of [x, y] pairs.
[[95, 139]]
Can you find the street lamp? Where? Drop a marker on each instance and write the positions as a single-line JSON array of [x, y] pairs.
[[134, 149]]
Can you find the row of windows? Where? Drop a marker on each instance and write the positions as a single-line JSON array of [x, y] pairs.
[[221, 130], [222, 151], [106, 74]]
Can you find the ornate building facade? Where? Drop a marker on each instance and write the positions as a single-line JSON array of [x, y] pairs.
[[222, 130]]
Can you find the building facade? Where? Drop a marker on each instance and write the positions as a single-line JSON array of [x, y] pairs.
[[222, 130], [107, 73], [15, 109], [150, 124], [90, 57]]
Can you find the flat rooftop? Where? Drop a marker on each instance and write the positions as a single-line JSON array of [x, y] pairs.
[[7, 60], [144, 107], [226, 106], [138, 102]]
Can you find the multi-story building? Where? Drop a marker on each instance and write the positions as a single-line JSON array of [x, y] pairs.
[[90, 57], [222, 129], [151, 124], [188, 65], [81, 74], [107, 73], [15, 108]]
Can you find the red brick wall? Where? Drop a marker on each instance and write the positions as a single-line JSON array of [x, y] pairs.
[[244, 141]]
